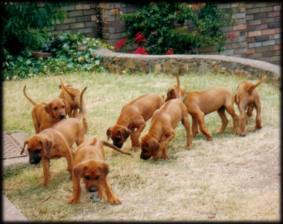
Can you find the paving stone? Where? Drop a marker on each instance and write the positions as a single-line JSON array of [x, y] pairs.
[[10, 212]]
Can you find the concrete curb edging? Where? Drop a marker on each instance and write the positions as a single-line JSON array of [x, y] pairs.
[[11, 213], [120, 62]]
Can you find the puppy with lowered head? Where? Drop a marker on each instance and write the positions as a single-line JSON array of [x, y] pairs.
[[132, 119], [89, 165], [162, 130], [46, 145], [44, 115]]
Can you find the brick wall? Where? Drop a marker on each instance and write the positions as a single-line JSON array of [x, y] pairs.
[[79, 18], [255, 32]]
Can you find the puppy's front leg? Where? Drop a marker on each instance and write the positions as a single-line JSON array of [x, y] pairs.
[[46, 173], [186, 124], [106, 190], [164, 143], [135, 135]]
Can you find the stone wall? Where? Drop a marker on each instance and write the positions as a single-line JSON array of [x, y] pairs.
[[255, 32]]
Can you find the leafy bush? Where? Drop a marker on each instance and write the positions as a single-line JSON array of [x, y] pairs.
[[70, 52], [26, 24], [178, 26]]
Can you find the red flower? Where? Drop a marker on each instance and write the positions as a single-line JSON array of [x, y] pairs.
[[140, 50], [170, 51], [231, 35], [139, 38], [120, 43]]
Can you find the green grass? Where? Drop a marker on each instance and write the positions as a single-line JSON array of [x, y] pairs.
[[105, 96]]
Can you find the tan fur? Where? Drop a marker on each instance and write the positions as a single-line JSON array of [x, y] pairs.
[[44, 115], [72, 99], [247, 98], [201, 103], [162, 129], [176, 91], [132, 119], [51, 144], [89, 164]]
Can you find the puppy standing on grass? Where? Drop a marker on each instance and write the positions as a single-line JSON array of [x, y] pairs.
[[201, 103], [132, 119], [46, 145], [44, 115], [71, 98], [161, 131], [247, 98], [89, 164]]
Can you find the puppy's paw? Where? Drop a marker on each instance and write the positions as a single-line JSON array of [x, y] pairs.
[[114, 201], [73, 200]]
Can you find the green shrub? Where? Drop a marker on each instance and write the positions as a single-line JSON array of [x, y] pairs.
[[70, 52], [177, 26], [26, 24]]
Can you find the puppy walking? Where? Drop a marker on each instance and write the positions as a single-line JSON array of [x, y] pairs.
[[46, 145], [247, 98], [162, 129], [201, 103], [132, 120], [44, 115], [89, 164]]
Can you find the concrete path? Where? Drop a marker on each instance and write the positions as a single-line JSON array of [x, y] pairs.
[[13, 144]]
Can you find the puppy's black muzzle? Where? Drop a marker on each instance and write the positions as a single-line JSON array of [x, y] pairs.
[[144, 156], [118, 144], [92, 189], [34, 157]]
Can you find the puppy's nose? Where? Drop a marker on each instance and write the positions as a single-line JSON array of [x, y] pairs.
[[92, 189], [62, 116]]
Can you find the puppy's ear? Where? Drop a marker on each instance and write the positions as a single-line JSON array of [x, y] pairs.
[[108, 133], [126, 132], [104, 168], [79, 169], [23, 149], [46, 145], [153, 144], [48, 108]]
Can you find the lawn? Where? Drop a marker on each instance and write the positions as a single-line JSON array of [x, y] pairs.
[[232, 177]]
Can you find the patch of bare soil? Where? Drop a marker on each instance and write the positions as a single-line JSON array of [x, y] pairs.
[[230, 178]]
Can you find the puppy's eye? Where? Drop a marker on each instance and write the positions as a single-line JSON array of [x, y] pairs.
[[63, 107], [55, 108], [97, 177], [87, 177]]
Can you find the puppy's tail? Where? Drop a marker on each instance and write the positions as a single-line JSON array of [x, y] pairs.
[[178, 82], [115, 148], [25, 94], [251, 88], [83, 110]]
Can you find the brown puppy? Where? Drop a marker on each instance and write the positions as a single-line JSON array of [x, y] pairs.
[[74, 129], [45, 115], [161, 132], [46, 145], [201, 103], [89, 164], [71, 98], [132, 119], [247, 98], [176, 91]]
